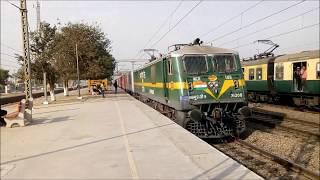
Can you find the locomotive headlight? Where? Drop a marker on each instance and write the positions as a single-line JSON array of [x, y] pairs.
[[236, 83]]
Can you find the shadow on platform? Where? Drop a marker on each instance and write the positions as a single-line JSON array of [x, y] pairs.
[[80, 145], [41, 121]]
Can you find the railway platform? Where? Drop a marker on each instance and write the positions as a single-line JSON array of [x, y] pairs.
[[117, 137]]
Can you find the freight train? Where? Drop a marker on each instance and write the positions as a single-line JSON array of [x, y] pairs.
[[200, 87], [291, 78]]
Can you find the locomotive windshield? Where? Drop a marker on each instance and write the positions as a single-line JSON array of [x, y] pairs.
[[195, 64], [224, 63]]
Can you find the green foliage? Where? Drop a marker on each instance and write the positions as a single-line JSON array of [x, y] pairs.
[[41, 48], [53, 51], [4, 75], [95, 60], [20, 74]]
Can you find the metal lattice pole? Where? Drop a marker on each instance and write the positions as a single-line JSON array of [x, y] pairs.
[[38, 15], [26, 52]]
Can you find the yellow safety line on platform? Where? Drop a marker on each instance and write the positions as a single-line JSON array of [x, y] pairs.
[[133, 168]]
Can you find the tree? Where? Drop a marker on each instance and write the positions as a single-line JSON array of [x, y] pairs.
[[95, 60], [41, 47], [4, 75]]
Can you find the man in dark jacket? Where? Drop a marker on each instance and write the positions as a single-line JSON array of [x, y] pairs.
[[2, 113], [297, 78], [115, 84]]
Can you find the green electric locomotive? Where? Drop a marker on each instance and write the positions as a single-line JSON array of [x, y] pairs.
[[200, 87]]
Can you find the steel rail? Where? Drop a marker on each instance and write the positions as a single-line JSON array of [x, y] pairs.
[[285, 162], [258, 115]]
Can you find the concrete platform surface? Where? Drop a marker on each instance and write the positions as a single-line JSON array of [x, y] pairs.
[[116, 137]]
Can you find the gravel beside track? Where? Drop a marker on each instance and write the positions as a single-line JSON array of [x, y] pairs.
[[259, 164], [296, 140], [265, 163], [301, 151]]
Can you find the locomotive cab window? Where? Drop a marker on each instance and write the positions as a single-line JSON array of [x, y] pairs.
[[318, 71], [224, 63], [251, 74], [259, 73], [195, 64]]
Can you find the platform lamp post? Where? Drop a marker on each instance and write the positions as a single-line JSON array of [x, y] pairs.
[[79, 96]]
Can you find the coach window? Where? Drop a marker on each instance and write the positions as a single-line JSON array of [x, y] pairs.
[[318, 70], [170, 66], [153, 73], [251, 74], [279, 71], [259, 73]]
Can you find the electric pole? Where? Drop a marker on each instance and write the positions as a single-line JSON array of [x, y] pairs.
[[79, 96], [26, 50], [38, 15], [45, 91]]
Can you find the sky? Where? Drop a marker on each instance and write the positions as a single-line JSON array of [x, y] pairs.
[[131, 25]]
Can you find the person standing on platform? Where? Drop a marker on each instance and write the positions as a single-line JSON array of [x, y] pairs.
[[102, 89], [115, 84], [2, 113]]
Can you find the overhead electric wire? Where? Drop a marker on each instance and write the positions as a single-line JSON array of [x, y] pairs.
[[160, 27], [180, 20], [165, 22], [299, 45], [7, 55], [13, 4], [268, 27], [230, 19], [288, 32], [278, 35], [10, 65], [11, 48], [256, 21], [10, 60]]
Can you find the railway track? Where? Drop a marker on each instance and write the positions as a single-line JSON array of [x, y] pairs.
[[279, 121], [287, 107], [13, 99], [264, 163], [5, 101]]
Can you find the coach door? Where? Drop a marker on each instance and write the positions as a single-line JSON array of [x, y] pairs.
[[270, 76], [299, 76], [165, 78]]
